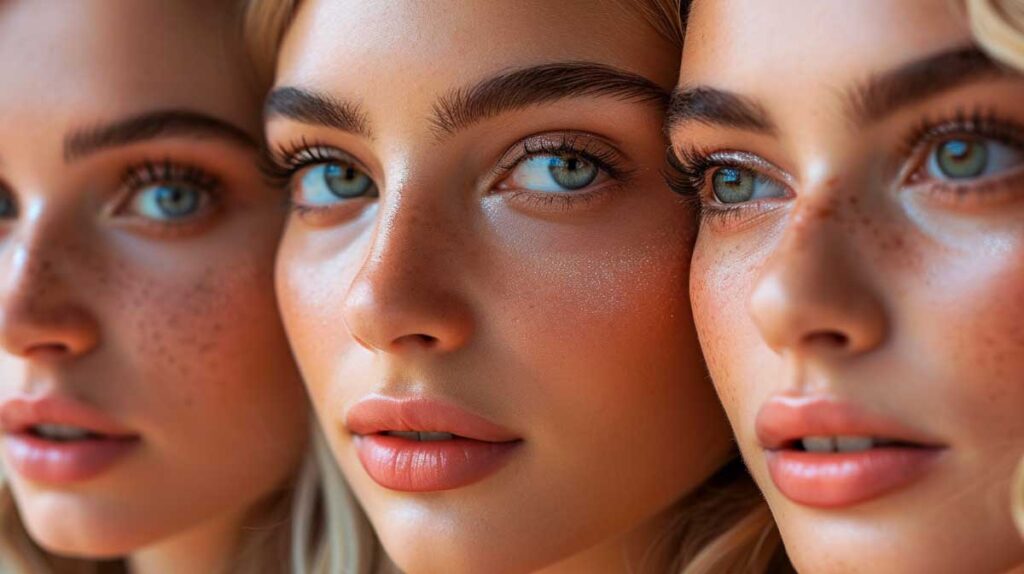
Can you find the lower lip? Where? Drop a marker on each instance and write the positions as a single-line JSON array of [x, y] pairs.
[[428, 466], [60, 463], [831, 480]]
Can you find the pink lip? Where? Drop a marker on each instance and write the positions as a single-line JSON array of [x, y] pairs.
[[479, 448], [830, 480], [61, 462]]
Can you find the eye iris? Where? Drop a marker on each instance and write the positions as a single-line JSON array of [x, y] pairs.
[[345, 180], [732, 185], [962, 159], [177, 201], [572, 172]]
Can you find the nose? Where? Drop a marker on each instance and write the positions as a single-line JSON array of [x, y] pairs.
[[39, 318], [407, 295], [813, 295]]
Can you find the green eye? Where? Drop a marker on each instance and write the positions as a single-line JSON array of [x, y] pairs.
[[572, 172], [961, 158], [732, 185]]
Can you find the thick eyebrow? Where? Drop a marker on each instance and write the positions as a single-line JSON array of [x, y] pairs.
[[534, 85], [153, 125], [718, 108], [316, 109], [884, 94]]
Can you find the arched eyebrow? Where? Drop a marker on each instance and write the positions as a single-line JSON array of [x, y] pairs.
[[525, 87], [150, 126], [462, 107], [868, 102], [885, 94]]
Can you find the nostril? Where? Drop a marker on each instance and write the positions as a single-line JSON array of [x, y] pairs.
[[417, 340], [48, 351], [827, 339]]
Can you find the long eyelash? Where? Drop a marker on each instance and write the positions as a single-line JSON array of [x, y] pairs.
[[604, 158], [281, 164], [978, 121], [150, 172]]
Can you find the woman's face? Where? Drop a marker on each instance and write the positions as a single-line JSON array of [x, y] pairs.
[[143, 362], [486, 251], [857, 281]]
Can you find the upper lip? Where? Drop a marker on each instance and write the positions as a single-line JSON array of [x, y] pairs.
[[377, 413], [18, 415], [786, 419]]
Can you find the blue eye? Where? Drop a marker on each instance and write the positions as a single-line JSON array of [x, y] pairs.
[[554, 173], [327, 183], [169, 201], [964, 158], [737, 185]]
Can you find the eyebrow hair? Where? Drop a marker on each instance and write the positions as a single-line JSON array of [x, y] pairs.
[[318, 109], [534, 85], [712, 106], [149, 126], [884, 94]]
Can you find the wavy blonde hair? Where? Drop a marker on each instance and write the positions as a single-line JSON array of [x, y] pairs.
[[998, 26], [722, 527]]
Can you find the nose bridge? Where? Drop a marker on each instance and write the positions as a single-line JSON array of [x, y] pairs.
[[407, 292], [37, 307], [813, 291]]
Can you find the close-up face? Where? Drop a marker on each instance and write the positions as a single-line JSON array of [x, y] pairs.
[[142, 363], [484, 277], [858, 274]]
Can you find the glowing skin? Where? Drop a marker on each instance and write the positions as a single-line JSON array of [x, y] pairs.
[[137, 299], [459, 289], [868, 284]]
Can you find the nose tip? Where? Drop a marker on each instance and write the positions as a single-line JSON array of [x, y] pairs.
[[29, 332]]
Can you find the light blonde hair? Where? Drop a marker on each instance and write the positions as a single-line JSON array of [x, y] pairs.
[[998, 26], [722, 527]]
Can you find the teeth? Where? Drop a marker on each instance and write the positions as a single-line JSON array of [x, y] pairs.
[[854, 443], [819, 444], [421, 436], [60, 432]]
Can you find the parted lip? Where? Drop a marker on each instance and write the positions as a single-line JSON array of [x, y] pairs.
[[18, 415], [786, 419], [378, 413]]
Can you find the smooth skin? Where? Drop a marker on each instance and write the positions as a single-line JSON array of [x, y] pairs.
[[559, 315], [160, 315], [868, 277]]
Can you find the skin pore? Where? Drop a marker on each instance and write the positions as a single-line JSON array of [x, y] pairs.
[[859, 271], [493, 237], [136, 281]]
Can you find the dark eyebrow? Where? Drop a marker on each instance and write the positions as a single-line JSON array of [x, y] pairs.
[[525, 87], [152, 125], [884, 94], [316, 109], [716, 107]]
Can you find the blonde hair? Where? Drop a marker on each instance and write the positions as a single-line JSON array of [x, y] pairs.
[[998, 26], [725, 525]]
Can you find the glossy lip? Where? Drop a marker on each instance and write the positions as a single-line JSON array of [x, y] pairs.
[[61, 462], [479, 448], [832, 480]]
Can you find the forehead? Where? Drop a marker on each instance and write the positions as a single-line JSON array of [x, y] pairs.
[[92, 60], [740, 45], [388, 53]]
